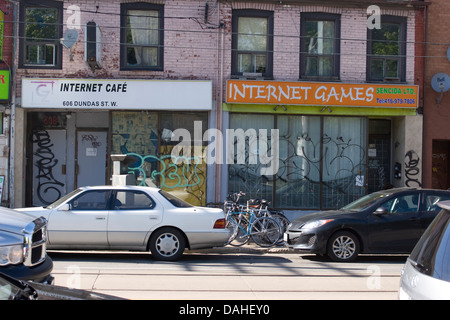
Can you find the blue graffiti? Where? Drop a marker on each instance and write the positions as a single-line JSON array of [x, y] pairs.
[[174, 171]]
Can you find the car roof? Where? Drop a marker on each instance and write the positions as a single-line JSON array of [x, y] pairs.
[[403, 189], [118, 187]]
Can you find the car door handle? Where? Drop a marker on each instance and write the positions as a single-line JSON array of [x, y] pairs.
[[153, 217], [100, 218]]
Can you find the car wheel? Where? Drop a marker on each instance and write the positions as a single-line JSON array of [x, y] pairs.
[[167, 244], [343, 246]]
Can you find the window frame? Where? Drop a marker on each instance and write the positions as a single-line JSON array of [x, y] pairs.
[[336, 63], [248, 13], [402, 22], [124, 7], [56, 42]]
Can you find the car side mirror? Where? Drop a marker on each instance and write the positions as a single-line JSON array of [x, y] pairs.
[[380, 211], [64, 207]]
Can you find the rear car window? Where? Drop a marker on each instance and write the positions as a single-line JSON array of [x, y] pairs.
[[177, 202], [431, 256]]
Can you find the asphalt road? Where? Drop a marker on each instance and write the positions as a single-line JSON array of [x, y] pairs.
[[229, 276]]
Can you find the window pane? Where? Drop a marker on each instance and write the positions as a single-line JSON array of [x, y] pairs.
[[319, 37], [344, 163], [252, 63], [318, 48], [377, 69], [41, 24], [40, 54], [142, 36], [391, 68], [142, 56], [311, 66], [385, 41], [245, 63], [402, 204], [131, 200], [244, 175], [260, 63], [142, 27], [252, 34], [299, 174], [91, 200]]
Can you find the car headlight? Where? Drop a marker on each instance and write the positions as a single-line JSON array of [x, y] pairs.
[[11, 254], [315, 224]]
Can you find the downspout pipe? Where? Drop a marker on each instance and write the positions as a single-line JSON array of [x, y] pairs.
[[12, 124]]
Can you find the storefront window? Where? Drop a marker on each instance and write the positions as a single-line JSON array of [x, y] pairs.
[[151, 137], [322, 161], [300, 159], [344, 160], [245, 174]]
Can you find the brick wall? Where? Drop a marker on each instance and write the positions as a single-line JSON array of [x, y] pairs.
[[436, 116], [192, 52]]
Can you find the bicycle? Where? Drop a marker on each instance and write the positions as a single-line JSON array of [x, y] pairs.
[[264, 231], [249, 222], [262, 209]]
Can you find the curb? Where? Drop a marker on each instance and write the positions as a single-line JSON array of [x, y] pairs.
[[250, 248]]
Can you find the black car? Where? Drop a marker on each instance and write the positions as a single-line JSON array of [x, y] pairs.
[[388, 221]]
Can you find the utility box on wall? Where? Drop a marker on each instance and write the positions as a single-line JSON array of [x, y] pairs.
[[93, 51]]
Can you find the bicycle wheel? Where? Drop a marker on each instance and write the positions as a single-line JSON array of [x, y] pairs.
[[282, 221], [232, 227], [265, 231], [239, 235]]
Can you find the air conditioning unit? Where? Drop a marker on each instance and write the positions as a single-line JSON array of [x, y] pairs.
[[93, 50]]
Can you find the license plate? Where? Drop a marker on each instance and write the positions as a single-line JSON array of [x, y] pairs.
[[285, 237]]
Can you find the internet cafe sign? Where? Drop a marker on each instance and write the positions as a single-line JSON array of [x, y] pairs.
[[116, 94], [321, 94]]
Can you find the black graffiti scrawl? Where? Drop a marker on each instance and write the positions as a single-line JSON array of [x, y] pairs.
[[412, 169], [48, 188]]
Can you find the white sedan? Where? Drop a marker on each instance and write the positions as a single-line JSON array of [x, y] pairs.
[[131, 218]]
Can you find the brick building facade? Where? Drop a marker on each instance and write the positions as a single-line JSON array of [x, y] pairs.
[[138, 71], [436, 113]]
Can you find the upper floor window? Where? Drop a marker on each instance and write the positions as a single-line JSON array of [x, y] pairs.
[[252, 42], [40, 34], [319, 45], [142, 36], [386, 50]]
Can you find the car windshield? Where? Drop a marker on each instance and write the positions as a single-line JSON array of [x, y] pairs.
[[365, 202], [177, 202], [61, 200]]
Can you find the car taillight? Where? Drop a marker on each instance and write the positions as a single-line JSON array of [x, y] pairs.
[[219, 224]]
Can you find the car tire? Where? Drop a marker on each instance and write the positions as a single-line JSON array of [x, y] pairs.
[[343, 246], [167, 244]]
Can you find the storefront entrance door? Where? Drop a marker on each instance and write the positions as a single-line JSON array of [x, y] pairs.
[[90, 167], [441, 152], [49, 165]]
